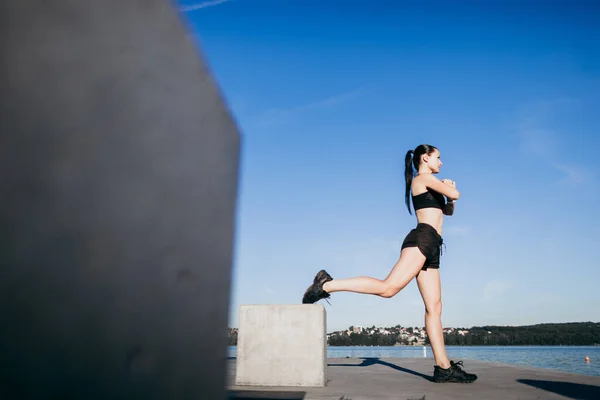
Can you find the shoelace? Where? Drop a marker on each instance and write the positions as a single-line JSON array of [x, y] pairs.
[[459, 363]]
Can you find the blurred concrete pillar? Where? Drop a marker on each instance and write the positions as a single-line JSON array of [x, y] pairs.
[[118, 181]]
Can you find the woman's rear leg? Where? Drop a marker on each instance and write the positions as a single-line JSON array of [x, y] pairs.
[[406, 268]]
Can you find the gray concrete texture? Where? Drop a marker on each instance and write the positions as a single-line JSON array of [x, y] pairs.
[[119, 171], [282, 345], [409, 379]]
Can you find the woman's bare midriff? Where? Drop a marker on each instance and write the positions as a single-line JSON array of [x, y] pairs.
[[431, 216]]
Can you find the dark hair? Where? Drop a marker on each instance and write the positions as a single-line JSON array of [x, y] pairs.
[[413, 159]]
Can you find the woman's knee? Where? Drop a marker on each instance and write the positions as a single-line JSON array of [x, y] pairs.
[[390, 290], [434, 308]]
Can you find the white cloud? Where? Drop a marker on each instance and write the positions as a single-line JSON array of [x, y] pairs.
[[457, 230], [573, 174], [204, 4], [496, 288], [276, 116], [373, 256], [536, 111], [538, 138], [416, 303], [538, 141]]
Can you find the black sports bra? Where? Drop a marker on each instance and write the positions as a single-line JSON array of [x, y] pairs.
[[429, 199]]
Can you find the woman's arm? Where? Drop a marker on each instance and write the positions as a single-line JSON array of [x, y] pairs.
[[445, 187], [448, 207]]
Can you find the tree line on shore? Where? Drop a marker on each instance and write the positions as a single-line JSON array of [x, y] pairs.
[[550, 334], [558, 334]]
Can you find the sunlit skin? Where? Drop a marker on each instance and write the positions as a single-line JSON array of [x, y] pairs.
[[411, 259]]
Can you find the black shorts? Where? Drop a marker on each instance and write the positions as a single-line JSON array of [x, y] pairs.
[[426, 238]]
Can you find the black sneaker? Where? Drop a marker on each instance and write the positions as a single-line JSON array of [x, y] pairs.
[[315, 291], [453, 374]]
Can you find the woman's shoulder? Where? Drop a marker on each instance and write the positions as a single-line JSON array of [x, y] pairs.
[[419, 185]]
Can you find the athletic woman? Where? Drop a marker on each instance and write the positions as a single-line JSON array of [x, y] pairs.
[[432, 198]]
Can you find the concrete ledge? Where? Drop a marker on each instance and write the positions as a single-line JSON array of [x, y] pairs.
[[282, 345], [410, 378]]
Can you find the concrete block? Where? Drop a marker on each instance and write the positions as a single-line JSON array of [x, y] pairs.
[[282, 345]]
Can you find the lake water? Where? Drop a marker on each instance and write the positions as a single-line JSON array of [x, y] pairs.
[[562, 358]]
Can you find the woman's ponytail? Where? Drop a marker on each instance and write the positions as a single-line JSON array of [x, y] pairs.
[[408, 175]]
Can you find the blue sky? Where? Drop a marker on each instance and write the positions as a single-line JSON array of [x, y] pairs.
[[329, 96]]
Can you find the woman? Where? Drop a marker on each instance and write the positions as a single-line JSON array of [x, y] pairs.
[[420, 256]]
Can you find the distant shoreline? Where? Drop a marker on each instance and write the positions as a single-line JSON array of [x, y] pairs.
[[560, 334], [462, 345]]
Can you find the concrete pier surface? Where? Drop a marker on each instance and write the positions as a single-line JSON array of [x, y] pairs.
[[409, 379]]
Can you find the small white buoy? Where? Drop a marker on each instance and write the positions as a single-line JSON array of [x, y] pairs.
[[587, 359]]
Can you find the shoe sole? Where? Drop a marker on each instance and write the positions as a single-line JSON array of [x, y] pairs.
[[453, 381]]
